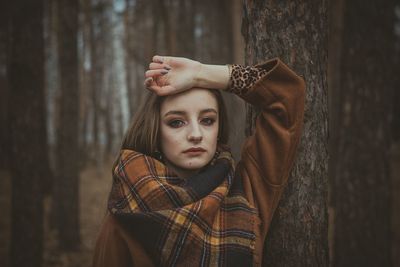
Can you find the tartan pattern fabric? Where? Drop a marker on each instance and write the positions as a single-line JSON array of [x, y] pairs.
[[203, 220]]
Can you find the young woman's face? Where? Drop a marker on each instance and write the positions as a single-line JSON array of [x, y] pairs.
[[189, 120]]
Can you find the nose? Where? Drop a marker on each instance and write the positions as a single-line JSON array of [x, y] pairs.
[[195, 134]]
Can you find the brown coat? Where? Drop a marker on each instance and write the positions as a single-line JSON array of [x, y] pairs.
[[266, 160]]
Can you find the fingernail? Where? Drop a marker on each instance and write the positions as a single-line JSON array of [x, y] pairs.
[[167, 67], [164, 72]]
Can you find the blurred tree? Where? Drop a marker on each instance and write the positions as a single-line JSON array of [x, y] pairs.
[[67, 182], [396, 58], [335, 48], [108, 107], [134, 18], [3, 84], [95, 73], [296, 32], [183, 30], [363, 93], [28, 161], [98, 68], [85, 75], [395, 153]]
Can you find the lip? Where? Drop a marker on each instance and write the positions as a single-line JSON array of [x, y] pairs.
[[194, 150]]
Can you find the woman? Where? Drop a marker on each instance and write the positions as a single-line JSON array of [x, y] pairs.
[[178, 198]]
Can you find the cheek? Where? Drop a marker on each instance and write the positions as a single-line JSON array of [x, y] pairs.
[[215, 131], [211, 138], [213, 134], [169, 140]]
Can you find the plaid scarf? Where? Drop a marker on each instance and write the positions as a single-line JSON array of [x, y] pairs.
[[204, 220]]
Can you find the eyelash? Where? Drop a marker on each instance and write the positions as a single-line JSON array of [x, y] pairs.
[[211, 121], [172, 122]]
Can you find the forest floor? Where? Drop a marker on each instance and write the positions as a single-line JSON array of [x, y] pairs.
[[94, 189]]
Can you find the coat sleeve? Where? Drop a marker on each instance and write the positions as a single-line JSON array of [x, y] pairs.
[[268, 155]]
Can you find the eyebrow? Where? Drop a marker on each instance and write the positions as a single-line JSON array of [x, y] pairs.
[[179, 112]]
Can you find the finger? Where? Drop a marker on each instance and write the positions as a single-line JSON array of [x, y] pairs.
[[165, 90], [154, 73], [162, 59], [158, 59], [161, 90], [147, 82], [154, 66], [153, 86]]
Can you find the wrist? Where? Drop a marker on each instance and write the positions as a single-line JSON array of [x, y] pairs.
[[212, 76], [198, 75]]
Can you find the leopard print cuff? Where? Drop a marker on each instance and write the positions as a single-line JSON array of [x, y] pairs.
[[242, 78]]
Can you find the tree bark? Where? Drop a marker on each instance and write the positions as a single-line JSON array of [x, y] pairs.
[[27, 127], [296, 32], [67, 184], [361, 181]]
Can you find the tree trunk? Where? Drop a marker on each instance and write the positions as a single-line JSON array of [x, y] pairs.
[[95, 77], [395, 151], [335, 50], [85, 86], [361, 181], [184, 31], [67, 184], [4, 144], [27, 127], [109, 109], [129, 56], [296, 32]]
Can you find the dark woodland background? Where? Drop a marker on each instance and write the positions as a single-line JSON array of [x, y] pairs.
[[71, 75]]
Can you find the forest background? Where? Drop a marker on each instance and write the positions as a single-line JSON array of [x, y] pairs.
[[71, 78]]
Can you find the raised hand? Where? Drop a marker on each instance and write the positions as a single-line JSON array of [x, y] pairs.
[[170, 75]]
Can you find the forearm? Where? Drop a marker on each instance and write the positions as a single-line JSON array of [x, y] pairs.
[[212, 76]]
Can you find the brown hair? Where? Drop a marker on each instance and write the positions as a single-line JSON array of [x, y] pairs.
[[144, 133]]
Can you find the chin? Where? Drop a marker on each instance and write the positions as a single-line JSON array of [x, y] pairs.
[[195, 162]]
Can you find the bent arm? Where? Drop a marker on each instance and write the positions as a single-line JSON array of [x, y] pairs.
[[280, 94], [268, 155]]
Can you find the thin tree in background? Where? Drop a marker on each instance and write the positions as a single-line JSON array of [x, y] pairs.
[[67, 182], [395, 153], [92, 16], [133, 24], [27, 128], [363, 105], [185, 27], [3, 84], [297, 33]]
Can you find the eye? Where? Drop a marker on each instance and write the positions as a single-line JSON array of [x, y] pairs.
[[208, 121], [175, 123]]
